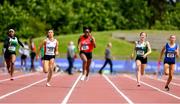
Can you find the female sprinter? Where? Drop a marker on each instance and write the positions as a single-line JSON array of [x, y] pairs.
[[10, 45], [86, 44], [50, 51], [171, 51], [142, 50]]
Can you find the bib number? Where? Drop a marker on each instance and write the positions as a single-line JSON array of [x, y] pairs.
[[50, 51], [12, 48], [85, 47], [170, 55], [139, 52]]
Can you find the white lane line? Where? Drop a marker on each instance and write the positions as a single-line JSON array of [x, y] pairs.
[[17, 77], [161, 80], [65, 100], [23, 88], [177, 97], [122, 94]]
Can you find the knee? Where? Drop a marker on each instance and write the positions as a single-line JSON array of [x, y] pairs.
[[142, 73], [138, 67], [12, 63], [85, 61], [51, 67], [170, 76], [165, 73], [45, 71]]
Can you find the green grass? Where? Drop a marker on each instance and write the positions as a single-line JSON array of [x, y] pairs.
[[121, 49]]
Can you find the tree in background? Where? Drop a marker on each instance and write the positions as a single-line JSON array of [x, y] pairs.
[[34, 17]]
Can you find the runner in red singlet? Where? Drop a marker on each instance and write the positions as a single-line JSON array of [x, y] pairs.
[[86, 44]]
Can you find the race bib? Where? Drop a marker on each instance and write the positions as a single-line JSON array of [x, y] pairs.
[[50, 51], [170, 55], [85, 47], [12, 48], [140, 52]]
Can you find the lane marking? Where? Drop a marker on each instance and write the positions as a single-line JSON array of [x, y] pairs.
[[17, 77], [122, 94], [23, 88], [65, 100], [162, 80], [177, 97]]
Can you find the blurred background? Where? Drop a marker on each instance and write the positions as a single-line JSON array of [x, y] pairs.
[[115, 21]]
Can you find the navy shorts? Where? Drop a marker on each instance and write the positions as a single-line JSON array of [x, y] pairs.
[[87, 54], [142, 60], [49, 57], [8, 54], [169, 63]]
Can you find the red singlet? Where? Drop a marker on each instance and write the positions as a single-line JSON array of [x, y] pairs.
[[86, 44]]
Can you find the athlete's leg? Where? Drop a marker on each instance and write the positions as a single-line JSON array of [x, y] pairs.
[[88, 66], [138, 71], [13, 59], [171, 73], [8, 62], [46, 66], [51, 68], [84, 59], [143, 66], [166, 69]]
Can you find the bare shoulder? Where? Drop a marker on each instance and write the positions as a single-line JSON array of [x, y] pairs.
[[92, 37], [147, 42]]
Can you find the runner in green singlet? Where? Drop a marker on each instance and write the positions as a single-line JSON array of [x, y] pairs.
[[10, 45]]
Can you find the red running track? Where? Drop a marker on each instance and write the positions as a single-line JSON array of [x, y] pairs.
[[119, 88]]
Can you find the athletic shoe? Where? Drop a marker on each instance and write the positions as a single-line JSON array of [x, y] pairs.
[[48, 85], [12, 78], [83, 77], [167, 88], [138, 84]]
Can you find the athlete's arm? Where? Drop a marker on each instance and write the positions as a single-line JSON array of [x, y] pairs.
[[149, 49], [79, 45], [6, 43], [56, 48], [161, 54], [39, 48], [20, 43], [177, 52], [133, 52], [94, 41]]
